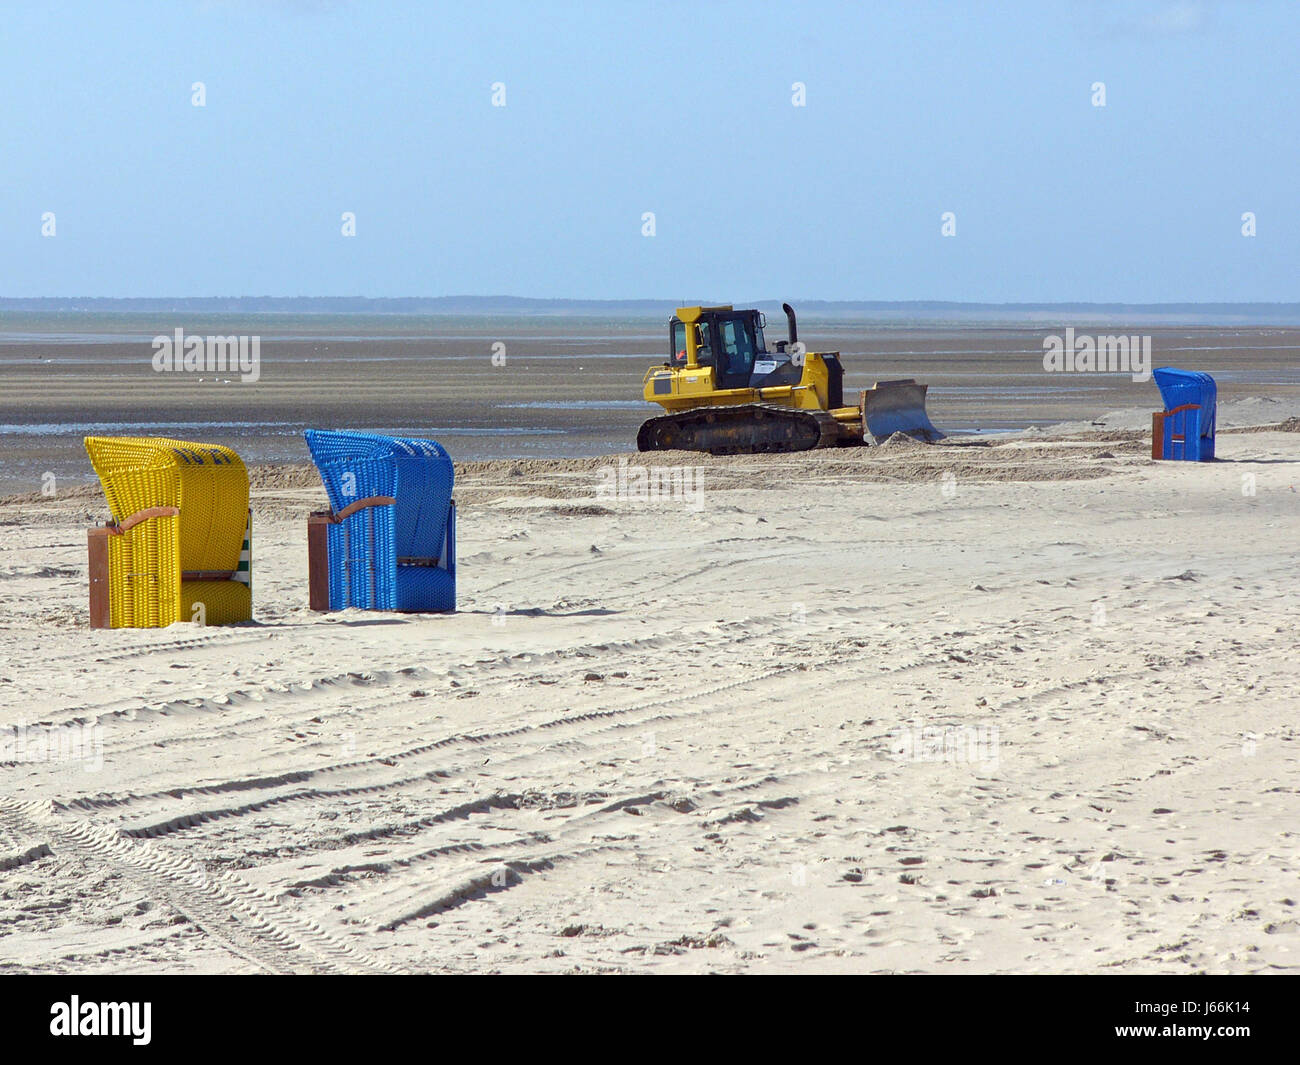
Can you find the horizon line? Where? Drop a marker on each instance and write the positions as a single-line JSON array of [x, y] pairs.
[[652, 300]]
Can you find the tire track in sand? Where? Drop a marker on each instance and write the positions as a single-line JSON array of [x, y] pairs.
[[248, 924]]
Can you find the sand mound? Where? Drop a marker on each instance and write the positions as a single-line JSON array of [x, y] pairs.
[[901, 440], [1290, 425]]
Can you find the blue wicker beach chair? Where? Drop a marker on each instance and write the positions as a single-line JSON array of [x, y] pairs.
[[389, 540], [1185, 428]]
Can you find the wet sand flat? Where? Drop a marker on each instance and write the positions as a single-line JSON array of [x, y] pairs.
[[568, 387]]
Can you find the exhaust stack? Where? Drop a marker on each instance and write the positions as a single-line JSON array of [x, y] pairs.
[[794, 329]]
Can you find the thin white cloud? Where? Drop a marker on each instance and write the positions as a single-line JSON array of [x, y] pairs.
[[1152, 19]]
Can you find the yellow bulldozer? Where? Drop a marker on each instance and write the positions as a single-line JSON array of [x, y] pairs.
[[725, 393]]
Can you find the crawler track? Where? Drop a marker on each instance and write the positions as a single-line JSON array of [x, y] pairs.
[[749, 428]]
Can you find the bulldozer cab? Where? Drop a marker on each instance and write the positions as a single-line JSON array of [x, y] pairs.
[[729, 341]]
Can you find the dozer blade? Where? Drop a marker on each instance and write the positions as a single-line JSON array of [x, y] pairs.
[[896, 407]]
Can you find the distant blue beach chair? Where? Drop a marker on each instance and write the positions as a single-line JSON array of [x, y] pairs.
[[389, 540], [1185, 428]]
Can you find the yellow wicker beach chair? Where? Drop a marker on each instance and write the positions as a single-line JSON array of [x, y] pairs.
[[177, 547]]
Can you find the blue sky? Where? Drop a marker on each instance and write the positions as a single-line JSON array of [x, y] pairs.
[[684, 110]]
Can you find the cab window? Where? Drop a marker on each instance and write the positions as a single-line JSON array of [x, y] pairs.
[[704, 353], [738, 346], [679, 344]]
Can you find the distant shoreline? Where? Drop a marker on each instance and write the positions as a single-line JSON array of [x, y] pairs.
[[471, 306]]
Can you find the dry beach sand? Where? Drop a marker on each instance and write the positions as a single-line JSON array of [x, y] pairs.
[[1013, 705]]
